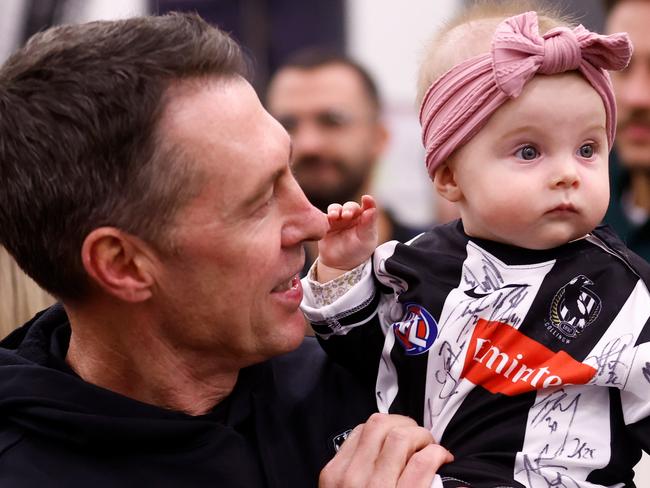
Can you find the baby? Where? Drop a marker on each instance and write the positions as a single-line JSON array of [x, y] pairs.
[[519, 334]]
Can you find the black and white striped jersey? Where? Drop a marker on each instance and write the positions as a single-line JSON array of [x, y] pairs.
[[531, 367]]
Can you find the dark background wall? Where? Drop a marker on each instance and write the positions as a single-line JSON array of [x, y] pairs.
[[270, 29]]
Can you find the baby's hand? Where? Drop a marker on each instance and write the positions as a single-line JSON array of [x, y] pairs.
[[351, 239]]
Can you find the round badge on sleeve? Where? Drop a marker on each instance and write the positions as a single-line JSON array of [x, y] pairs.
[[417, 330]]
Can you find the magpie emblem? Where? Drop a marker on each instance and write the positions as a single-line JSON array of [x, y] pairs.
[[574, 307]]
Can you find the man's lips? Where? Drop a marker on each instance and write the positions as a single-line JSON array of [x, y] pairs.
[[286, 285]]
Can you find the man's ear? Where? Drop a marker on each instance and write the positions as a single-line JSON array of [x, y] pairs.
[[118, 263], [444, 180]]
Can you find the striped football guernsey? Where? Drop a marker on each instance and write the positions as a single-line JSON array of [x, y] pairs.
[[531, 366]]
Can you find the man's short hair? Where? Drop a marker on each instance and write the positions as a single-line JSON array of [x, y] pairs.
[[79, 140], [318, 57]]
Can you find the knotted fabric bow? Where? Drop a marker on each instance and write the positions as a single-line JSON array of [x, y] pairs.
[[459, 103]]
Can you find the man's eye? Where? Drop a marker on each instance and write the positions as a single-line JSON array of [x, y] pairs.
[[586, 151], [527, 153], [333, 119]]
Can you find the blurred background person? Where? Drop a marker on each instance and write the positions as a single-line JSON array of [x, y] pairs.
[[629, 208], [331, 108], [20, 297]]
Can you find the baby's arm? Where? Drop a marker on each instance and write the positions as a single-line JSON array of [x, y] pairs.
[[351, 239]]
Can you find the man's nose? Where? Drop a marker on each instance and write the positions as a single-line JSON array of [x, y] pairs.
[[304, 221], [307, 138]]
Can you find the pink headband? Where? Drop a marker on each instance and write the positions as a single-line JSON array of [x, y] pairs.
[[459, 103]]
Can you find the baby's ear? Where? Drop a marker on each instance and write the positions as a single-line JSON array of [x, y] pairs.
[[444, 180]]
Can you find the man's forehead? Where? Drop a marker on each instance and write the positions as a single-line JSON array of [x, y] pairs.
[[631, 16], [181, 96], [330, 85], [212, 114], [226, 134]]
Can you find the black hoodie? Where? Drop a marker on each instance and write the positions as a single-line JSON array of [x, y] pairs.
[[277, 429]]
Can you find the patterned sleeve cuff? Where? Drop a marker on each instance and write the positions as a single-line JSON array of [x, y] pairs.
[[327, 293]]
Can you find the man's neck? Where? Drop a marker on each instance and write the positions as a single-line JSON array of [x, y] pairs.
[[139, 363]]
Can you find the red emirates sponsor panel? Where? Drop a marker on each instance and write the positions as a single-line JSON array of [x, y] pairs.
[[503, 360]]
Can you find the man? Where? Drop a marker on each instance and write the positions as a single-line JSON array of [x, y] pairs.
[[145, 187], [629, 211], [330, 106]]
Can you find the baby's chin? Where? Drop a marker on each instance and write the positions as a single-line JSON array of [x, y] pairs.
[[535, 234], [535, 239], [550, 240]]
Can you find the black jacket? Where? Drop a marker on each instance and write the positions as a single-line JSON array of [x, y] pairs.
[[277, 429]]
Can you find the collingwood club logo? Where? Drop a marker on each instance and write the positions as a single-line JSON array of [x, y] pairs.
[[573, 309]]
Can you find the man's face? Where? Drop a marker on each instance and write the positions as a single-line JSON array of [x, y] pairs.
[[230, 286], [334, 129], [632, 85]]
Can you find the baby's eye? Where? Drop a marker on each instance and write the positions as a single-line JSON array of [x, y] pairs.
[[527, 153], [586, 151]]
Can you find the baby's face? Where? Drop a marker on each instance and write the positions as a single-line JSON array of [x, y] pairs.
[[536, 175]]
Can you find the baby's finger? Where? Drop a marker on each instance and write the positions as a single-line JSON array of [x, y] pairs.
[[334, 210], [367, 201], [350, 210]]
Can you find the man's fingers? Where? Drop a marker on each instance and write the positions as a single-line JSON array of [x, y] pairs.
[[335, 470], [371, 442], [386, 451], [423, 466], [400, 445]]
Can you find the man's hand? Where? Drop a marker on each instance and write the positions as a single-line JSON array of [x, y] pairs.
[[386, 451], [351, 239]]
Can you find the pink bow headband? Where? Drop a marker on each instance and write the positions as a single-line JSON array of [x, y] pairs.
[[459, 103]]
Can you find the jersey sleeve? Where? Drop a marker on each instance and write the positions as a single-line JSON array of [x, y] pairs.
[[628, 353], [352, 327], [635, 396], [336, 307]]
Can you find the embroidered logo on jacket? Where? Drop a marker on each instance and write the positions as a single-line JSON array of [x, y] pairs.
[[417, 331], [573, 308], [503, 360]]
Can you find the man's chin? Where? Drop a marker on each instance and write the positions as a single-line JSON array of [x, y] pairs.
[[295, 330]]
